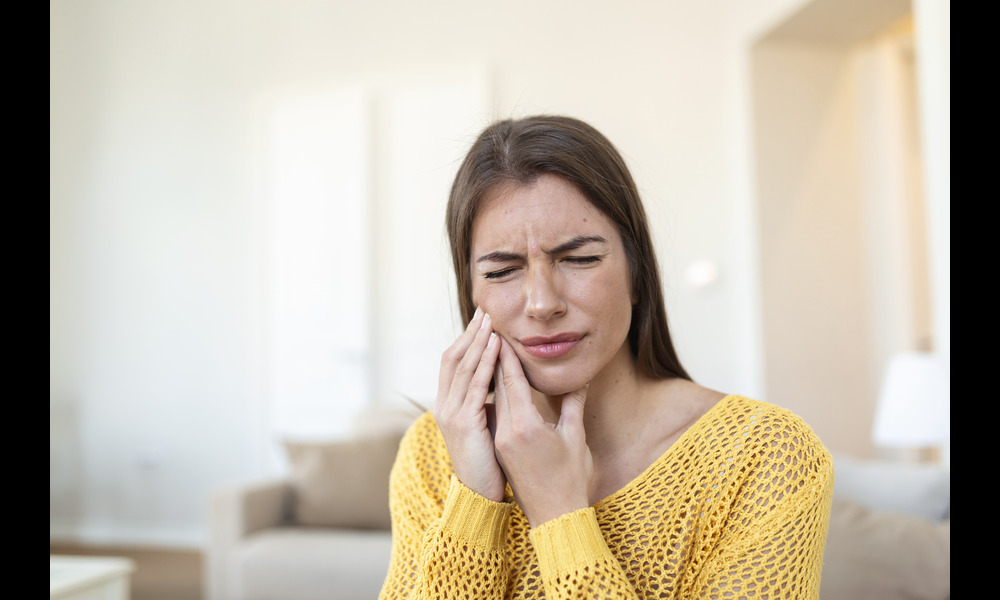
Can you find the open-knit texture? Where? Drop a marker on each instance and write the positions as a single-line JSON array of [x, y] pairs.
[[738, 507]]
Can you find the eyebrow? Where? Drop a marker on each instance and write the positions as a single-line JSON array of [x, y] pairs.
[[577, 242]]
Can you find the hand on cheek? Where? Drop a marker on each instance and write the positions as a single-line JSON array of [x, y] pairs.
[[461, 409], [549, 466]]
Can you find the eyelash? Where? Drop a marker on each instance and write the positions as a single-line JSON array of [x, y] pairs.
[[582, 260], [579, 260], [497, 274]]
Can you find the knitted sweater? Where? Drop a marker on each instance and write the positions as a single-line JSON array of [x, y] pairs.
[[738, 507]]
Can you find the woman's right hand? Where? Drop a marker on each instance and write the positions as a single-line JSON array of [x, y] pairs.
[[461, 410]]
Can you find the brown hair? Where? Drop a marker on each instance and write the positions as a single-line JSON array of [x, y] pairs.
[[519, 151]]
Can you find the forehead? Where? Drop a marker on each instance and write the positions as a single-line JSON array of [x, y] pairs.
[[544, 211]]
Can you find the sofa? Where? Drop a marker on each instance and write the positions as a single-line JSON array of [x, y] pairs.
[[323, 531], [320, 532], [890, 532]]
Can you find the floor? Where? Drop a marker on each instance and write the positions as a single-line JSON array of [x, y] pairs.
[[160, 574]]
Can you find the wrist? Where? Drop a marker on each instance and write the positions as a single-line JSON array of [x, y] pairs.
[[551, 511], [473, 517], [494, 491], [568, 541]]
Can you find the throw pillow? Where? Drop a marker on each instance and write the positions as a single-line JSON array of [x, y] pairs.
[[342, 483]]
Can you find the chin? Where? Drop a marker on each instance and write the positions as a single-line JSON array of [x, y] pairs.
[[553, 384]]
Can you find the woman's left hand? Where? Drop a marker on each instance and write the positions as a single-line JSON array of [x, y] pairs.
[[549, 466]]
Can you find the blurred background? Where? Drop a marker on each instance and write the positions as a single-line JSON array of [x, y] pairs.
[[246, 213]]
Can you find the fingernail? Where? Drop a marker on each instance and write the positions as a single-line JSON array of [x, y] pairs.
[[486, 322], [492, 340], [479, 311]]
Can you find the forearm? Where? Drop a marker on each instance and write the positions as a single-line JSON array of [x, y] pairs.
[[575, 561], [458, 554]]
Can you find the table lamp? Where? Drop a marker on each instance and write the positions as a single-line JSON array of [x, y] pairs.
[[914, 406]]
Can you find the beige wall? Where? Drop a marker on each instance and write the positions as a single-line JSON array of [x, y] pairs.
[[816, 320], [842, 215]]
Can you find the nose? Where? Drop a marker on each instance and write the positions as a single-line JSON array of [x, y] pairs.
[[543, 297]]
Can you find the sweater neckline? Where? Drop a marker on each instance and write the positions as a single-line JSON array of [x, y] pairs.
[[666, 455]]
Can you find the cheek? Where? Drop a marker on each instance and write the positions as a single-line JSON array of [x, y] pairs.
[[477, 295], [611, 299], [499, 301]]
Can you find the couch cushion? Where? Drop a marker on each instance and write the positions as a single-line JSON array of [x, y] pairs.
[[881, 555], [343, 483], [288, 563], [914, 489]]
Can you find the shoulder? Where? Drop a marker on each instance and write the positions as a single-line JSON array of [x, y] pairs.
[[423, 425], [421, 475], [422, 451], [423, 436], [765, 434], [774, 458], [764, 421], [749, 418]]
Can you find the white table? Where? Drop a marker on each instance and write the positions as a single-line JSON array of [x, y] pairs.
[[89, 577]]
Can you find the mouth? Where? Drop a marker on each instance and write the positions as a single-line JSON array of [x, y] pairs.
[[550, 346]]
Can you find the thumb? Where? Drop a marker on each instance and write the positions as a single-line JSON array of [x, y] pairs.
[[573, 403]]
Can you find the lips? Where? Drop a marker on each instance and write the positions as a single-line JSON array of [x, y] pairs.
[[552, 346]]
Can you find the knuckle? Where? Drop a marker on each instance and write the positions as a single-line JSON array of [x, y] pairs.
[[513, 442], [464, 421], [465, 365], [521, 435], [441, 412], [478, 386], [451, 356], [502, 443], [514, 436]]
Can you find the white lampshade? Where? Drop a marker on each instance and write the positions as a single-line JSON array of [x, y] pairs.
[[914, 408]]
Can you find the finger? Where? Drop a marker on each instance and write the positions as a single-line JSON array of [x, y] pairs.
[[464, 340], [455, 353], [479, 385], [571, 415], [517, 390], [500, 392], [470, 385]]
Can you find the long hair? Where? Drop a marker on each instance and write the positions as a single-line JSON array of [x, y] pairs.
[[520, 151]]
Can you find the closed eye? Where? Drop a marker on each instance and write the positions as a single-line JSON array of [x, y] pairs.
[[499, 274], [576, 260], [582, 260]]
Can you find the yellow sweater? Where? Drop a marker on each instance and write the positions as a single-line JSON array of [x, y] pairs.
[[737, 508]]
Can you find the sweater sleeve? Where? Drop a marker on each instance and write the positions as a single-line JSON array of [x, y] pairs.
[[575, 561], [442, 547]]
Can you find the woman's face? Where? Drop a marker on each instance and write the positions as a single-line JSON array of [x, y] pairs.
[[550, 270]]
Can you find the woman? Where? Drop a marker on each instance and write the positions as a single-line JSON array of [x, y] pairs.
[[596, 468]]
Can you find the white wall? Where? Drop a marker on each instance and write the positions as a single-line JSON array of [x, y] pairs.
[[160, 192]]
